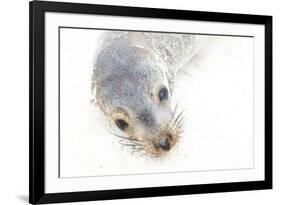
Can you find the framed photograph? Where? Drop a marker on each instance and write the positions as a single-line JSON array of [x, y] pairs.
[[140, 102]]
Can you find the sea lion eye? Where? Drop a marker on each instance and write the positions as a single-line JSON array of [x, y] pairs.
[[121, 124], [163, 94]]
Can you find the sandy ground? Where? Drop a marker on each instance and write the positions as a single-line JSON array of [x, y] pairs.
[[215, 89]]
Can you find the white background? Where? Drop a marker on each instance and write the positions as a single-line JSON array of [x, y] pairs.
[[14, 102], [219, 117]]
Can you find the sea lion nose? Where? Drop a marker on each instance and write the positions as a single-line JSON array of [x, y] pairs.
[[164, 144]]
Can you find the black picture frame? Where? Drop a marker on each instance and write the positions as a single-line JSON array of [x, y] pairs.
[[37, 10]]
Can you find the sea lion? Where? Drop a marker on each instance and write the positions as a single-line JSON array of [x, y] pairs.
[[132, 83]]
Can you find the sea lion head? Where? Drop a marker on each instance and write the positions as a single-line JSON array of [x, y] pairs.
[[132, 89]]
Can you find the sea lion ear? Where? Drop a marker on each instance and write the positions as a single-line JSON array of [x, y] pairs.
[[93, 101], [171, 81], [171, 86]]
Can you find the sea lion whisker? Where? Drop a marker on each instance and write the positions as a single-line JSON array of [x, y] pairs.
[[118, 135], [126, 143], [174, 112], [181, 120], [137, 151], [133, 145], [142, 154], [179, 115], [181, 125], [177, 125], [177, 130], [133, 139], [174, 131], [125, 138], [122, 141], [181, 128], [173, 125]]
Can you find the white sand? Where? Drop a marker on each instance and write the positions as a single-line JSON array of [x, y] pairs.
[[216, 92]]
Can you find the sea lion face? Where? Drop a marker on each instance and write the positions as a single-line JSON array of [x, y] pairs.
[[133, 91]]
